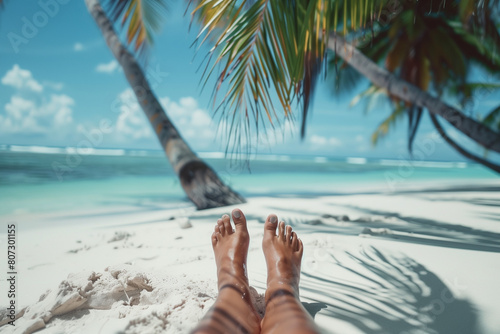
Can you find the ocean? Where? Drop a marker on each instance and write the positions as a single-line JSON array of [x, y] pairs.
[[45, 179], [427, 257]]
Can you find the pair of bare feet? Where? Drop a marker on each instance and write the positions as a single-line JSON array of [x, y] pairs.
[[233, 311]]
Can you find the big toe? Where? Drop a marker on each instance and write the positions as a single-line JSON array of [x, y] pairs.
[[240, 222], [270, 226]]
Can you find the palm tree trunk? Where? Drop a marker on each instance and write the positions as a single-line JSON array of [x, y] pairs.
[[200, 182], [395, 86], [460, 149]]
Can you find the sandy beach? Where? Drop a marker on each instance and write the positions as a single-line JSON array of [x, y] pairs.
[[129, 127], [417, 261]]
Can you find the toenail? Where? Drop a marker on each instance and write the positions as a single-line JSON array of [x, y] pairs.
[[273, 219], [236, 213], [225, 216]]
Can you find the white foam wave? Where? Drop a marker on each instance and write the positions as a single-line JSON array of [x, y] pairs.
[[424, 164], [36, 149], [212, 155], [356, 161], [95, 151]]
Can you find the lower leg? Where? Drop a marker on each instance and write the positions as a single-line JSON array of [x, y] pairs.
[[283, 252], [285, 314], [233, 311]]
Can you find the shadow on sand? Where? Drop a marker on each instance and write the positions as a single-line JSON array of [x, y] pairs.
[[388, 294]]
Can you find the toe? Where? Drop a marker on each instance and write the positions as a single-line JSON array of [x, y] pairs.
[[301, 248], [226, 221], [288, 235], [214, 239], [295, 242], [270, 226], [240, 222], [222, 229], [281, 231]]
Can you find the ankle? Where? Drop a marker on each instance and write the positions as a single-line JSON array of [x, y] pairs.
[[238, 287], [235, 281], [278, 288]]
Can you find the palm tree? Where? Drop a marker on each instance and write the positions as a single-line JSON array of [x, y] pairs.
[[200, 182], [267, 49], [140, 18]]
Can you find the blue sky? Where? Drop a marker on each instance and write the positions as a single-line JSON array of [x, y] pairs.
[[61, 83]]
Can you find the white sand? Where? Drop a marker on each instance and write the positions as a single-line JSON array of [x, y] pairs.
[[421, 262]]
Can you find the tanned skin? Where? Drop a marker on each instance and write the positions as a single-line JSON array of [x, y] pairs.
[[233, 311]]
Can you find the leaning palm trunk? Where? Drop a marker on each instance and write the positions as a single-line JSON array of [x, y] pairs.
[[460, 149], [199, 181], [399, 88]]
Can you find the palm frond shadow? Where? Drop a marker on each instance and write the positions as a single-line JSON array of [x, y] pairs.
[[389, 294]]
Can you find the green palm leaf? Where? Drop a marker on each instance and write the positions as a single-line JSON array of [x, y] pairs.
[[484, 52], [271, 51], [268, 51], [289, 43], [139, 19], [251, 54], [384, 127]]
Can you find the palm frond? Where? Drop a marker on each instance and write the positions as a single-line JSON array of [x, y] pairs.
[[314, 25], [343, 78], [484, 52], [384, 127], [247, 49], [370, 96], [267, 51], [138, 19], [414, 117], [469, 90], [460, 149]]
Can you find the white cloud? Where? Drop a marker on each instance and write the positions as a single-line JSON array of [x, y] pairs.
[[53, 85], [107, 68], [131, 122], [324, 141], [27, 116], [78, 47], [34, 113], [194, 123], [21, 79]]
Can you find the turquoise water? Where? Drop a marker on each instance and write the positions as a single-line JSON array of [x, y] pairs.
[[43, 180]]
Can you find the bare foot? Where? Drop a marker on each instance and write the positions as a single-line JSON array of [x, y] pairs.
[[231, 249], [283, 253]]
